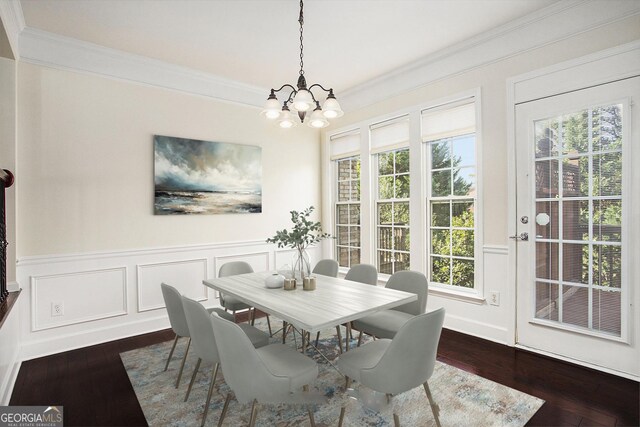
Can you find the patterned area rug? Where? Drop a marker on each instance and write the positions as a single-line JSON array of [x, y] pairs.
[[465, 399]]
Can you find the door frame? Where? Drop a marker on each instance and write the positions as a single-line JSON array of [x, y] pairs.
[[602, 67]]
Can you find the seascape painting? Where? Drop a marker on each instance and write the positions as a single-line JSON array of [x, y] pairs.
[[205, 177]]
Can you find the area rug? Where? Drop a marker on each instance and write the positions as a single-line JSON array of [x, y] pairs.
[[465, 399]]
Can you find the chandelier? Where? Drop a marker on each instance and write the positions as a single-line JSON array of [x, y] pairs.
[[301, 99]]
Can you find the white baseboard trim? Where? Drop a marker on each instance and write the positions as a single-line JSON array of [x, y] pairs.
[[477, 329], [7, 388], [38, 348], [579, 363]]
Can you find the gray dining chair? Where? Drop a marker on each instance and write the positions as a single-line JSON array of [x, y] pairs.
[[229, 302], [363, 273], [269, 375], [385, 324], [402, 364], [204, 343], [326, 267], [173, 303]]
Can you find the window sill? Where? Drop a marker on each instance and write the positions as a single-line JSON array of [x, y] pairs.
[[469, 297]]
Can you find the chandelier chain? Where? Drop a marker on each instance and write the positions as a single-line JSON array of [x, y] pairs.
[[301, 21]]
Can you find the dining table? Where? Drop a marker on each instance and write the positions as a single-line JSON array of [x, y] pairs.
[[332, 303]]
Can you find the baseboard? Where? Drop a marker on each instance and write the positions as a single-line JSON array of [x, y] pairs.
[[477, 329], [7, 389], [39, 348]]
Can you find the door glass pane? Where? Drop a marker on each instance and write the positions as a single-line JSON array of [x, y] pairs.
[[578, 238]]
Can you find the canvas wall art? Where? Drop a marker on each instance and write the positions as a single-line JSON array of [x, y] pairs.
[[206, 177]]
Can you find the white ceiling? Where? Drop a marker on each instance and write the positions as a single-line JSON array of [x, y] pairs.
[[255, 42]]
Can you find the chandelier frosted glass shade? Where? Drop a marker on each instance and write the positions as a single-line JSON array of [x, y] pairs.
[[286, 120], [303, 100], [317, 119], [331, 108], [272, 108]]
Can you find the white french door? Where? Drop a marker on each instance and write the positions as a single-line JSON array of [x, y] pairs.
[[578, 198]]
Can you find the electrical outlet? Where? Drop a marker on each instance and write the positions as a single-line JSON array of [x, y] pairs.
[[494, 298], [57, 309]]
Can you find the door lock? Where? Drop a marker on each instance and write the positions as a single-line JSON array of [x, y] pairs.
[[522, 236], [524, 219]]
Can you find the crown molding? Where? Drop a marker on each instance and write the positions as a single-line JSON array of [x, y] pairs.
[[548, 25], [55, 51], [559, 21], [13, 22]]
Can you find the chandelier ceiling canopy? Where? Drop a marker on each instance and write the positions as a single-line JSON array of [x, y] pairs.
[[301, 98]]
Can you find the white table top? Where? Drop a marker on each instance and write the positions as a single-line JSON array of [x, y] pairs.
[[334, 302]]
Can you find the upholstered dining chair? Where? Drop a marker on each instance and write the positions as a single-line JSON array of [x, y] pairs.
[[173, 303], [270, 374], [229, 302], [326, 267], [204, 343], [362, 273], [385, 324], [398, 365]]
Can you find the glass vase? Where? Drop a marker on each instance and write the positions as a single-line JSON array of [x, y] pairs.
[[301, 265]]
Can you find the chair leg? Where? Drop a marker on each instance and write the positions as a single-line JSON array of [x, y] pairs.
[[341, 419], [269, 325], [396, 420], [193, 377], [224, 409], [360, 339], [339, 339], [254, 413], [309, 411], [175, 341], [434, 406], [206, 406], [347, 382], [284, 332], [317, 338], [252, 312], [184, 359]]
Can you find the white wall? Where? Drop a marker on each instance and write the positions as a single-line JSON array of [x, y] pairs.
[[487, 321], [8, 156], [88, 236]]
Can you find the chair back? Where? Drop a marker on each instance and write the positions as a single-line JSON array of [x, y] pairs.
[[363, 273], [326, 267], [242, 367], [235, 267], [414, 282], [202, 339], [410, 359], [173, 302]]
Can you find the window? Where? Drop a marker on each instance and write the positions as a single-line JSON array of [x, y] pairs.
[[392, 211], [344, 149], [389, 143], [348, 211], [449, 133]]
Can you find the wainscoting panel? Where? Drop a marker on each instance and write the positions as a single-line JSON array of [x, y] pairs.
[[186, 276], [77, 297], [97, 304]]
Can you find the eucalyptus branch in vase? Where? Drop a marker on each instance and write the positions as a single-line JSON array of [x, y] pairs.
[[304, 233]]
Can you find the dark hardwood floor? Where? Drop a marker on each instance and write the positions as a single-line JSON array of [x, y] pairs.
[[92, 385]]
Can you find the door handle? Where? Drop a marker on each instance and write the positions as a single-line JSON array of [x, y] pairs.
[[522, 236]]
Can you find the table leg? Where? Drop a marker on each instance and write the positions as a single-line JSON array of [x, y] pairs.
[[348, 334], [284, 332], [339, 339]]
